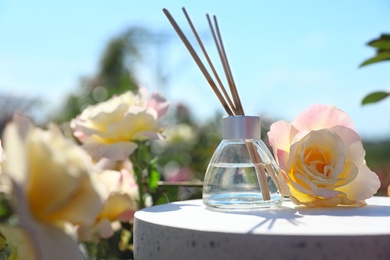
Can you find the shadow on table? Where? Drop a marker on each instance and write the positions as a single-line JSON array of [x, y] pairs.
[[365, 211], [292, 215], [169, 207], [266, 216], [269, 217]]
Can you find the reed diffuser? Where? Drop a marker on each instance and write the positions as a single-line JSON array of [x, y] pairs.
[[242, 174]]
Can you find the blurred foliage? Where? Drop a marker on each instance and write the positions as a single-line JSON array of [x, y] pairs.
[[382, 45], [377, 153], [195, 153], [116, 74], [377, 158], [10, 104]]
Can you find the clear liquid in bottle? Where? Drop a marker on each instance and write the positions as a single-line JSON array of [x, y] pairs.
[[236, 187], [242, 174]]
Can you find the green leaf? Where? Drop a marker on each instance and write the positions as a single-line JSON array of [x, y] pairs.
[[383, 43], [382, 46], [6, 210], [375, 97], [153, 177], [383, 56]]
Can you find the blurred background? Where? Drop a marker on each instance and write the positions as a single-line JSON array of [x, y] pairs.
[[57, 57]]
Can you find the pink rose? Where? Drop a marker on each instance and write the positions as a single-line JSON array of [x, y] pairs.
[[321, 159]]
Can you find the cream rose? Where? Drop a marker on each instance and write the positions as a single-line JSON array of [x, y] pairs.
[[52, 187], [120, 205], [321, 158], [110, 128]]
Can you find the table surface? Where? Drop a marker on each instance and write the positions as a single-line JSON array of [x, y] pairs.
[[289, 219]]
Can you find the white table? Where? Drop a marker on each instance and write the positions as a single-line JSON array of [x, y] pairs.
[[186, 230]]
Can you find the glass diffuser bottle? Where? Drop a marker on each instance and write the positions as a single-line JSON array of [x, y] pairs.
[[242, 174]]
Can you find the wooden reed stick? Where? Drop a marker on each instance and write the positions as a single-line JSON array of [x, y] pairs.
[[235, 109], [226, 95], [260, 171], [221, 51], [272, 173], [198, 61], [255, 157]]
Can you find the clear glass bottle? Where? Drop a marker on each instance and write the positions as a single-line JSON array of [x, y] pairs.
[[242, 174]]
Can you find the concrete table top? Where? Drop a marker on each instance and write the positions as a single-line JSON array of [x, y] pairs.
[[187, 230]]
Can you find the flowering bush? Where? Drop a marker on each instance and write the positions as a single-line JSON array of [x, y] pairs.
[[62, 193], [116, 134], [321, 158]]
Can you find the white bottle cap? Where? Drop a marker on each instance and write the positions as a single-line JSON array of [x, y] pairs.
[[241, 127]]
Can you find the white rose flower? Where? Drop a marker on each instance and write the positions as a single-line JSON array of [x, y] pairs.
[[110, 129]]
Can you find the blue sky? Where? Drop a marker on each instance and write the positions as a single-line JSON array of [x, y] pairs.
[[285, 55]]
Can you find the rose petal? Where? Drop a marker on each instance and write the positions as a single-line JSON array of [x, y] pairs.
[[159, 103], [322, 116], [280, 136], [104, 229], [132, 124], [116, 205], [47, 241], [14, 135], [82, 207], [364, 186], [114, 151]]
